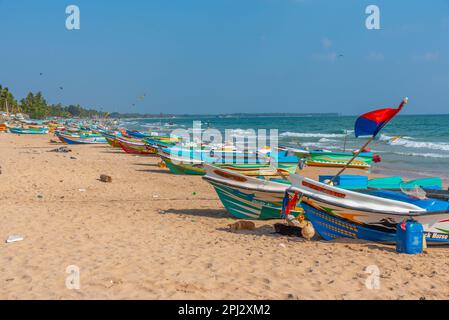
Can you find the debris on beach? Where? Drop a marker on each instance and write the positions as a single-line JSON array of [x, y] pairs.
[[304, 229], [105, 178], [242, 225], [293, 222], [287, 230], [82, 190], [14, 238], [61, 150]]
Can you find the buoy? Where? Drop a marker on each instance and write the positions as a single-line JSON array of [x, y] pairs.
[[308, 231]]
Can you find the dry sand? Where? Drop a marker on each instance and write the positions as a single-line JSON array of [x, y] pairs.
[[147, 235]]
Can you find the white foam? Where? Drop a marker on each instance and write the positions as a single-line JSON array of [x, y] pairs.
[[311, 135], [409, 143], [318, 145], [425, 155], [327, 140]]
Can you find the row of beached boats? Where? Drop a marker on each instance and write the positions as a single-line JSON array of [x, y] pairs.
[[259, 184]]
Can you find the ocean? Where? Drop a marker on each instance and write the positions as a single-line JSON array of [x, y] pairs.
[[413, 146]]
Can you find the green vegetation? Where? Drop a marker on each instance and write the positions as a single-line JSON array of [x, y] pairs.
[[35, 105]]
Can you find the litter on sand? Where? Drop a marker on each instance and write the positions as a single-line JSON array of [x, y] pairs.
[[61, 150], [14, 238], [105, 178]]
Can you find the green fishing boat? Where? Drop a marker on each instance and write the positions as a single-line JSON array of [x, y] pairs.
[[248, 197], [178, 165]]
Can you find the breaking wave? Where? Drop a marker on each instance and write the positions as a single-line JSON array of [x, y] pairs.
[[425, 155], [311, 135], [327, 140], [408, 142]]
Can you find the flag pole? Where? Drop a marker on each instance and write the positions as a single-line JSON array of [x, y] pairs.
[[356, 154]]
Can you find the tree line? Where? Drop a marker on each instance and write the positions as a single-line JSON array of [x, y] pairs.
[[36, 107]]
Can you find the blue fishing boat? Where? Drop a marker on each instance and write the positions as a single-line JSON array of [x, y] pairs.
[[18, 130], [77, 139], [138, 134], [334, 212], [370, 214]]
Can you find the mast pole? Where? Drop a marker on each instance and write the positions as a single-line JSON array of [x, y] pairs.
[[356, 154]]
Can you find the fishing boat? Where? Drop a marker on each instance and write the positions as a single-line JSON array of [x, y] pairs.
[[326, 158], [81, 139], [28, 130], [187, 166], [394, 183], [322, 158], [139, 134], [334, 212], [111, 138], [371, 215], [248, 197], [134, 146], [190, 161]]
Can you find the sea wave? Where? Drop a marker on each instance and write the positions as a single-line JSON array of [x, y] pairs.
[[318, 145], [384, 137], [425, 155], [408, 142], [151, 124], [327, 140], [311, 135]]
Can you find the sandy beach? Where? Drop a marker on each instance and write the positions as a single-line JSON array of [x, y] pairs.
[[152, 235]]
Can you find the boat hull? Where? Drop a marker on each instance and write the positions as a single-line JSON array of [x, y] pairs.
[[134, 147], [28, 131], [82, 140], [250, 204], [338, 160], [373, 216], [377, 228], [195, 168], [248, 197]]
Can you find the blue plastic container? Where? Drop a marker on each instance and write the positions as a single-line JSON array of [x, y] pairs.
[[410, 240]]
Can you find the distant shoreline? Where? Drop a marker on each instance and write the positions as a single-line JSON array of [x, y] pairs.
[[244, 115], [229, 115]]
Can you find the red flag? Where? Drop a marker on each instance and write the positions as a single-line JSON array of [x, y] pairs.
[[372, 122]]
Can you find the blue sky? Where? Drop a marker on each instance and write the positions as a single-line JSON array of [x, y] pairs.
[[223, 56]]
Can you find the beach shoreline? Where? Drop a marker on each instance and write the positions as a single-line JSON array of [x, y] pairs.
[[152, 235]]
